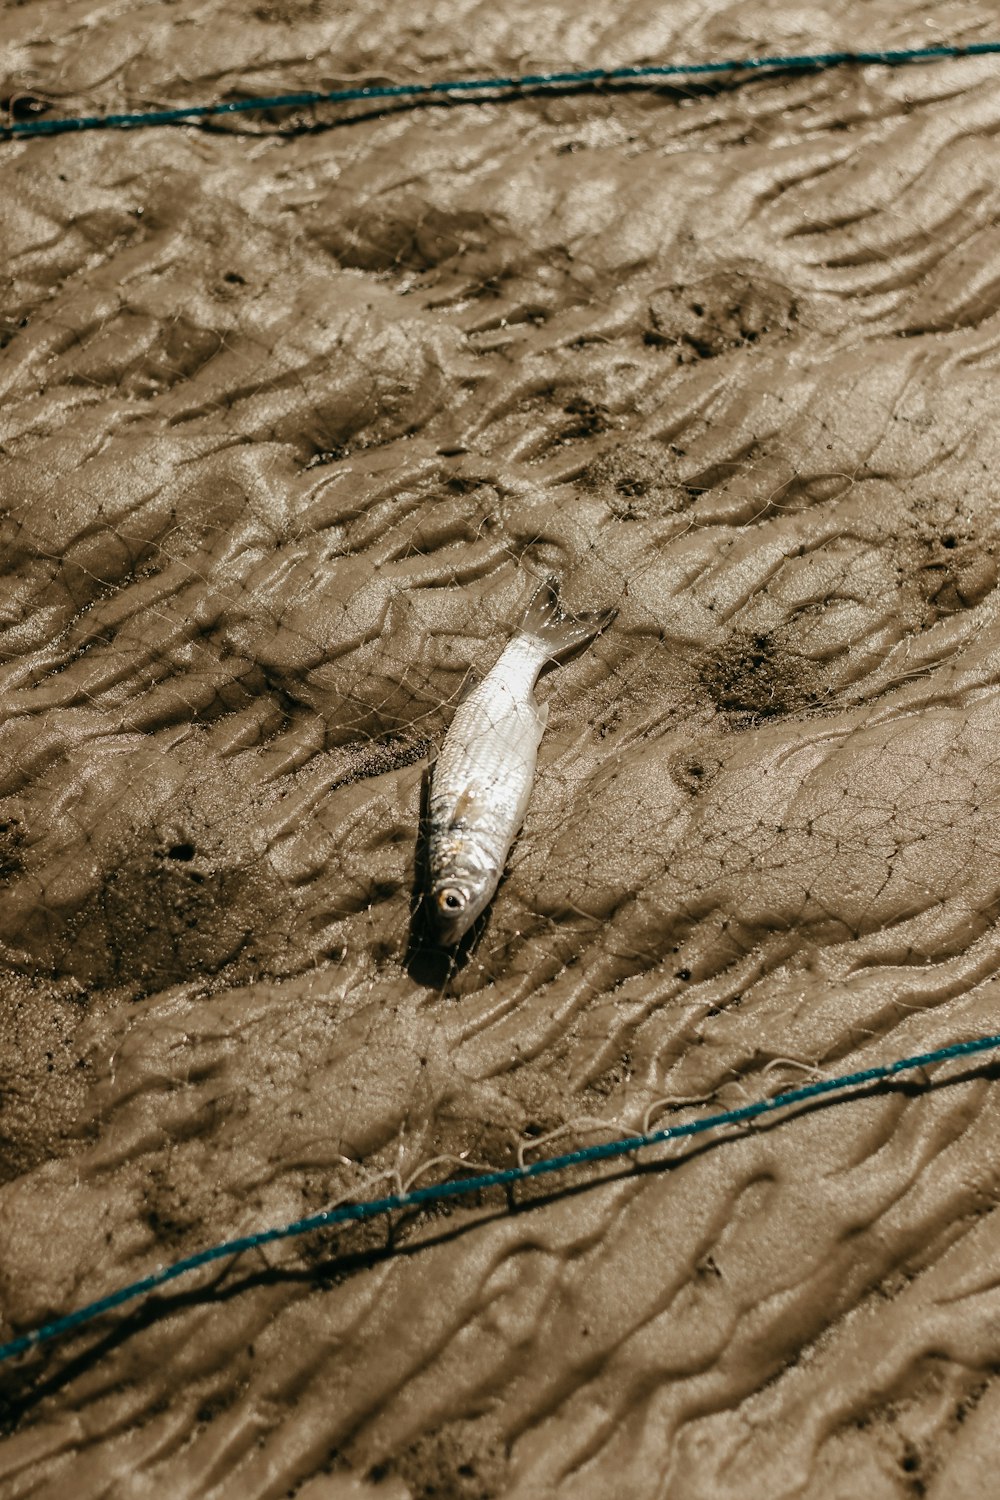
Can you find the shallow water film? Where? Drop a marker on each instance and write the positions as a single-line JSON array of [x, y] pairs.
[[297, 408]]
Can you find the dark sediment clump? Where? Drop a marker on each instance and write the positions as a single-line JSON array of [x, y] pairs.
[[756, 677], [726, 310], [638, 482]]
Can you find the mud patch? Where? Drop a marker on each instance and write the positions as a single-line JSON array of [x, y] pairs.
[[41, 1098], [725, 311], [463, 1460], [949, 572], [758, 676], [637, 481]]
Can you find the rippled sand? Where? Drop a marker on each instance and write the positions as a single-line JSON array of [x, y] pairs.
[[291, 415]]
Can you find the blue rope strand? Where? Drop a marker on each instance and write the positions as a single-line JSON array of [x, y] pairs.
[[437, 1192], [587, 78]]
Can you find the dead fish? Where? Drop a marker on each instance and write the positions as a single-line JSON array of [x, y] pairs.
[[483, 775]]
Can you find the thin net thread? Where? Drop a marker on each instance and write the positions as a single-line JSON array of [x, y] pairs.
[[676, 465]]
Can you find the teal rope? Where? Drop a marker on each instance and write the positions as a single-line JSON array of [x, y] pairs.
[[347, 1213], [588, 78]]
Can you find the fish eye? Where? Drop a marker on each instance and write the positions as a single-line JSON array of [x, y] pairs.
[[451, 900]]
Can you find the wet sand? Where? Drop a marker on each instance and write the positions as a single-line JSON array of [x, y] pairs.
[[294, 409]]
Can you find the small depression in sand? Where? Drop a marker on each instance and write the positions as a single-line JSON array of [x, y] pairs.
[[294, 408]]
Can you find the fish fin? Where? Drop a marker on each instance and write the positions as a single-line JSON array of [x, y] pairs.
[[560, 633], [463, 805], [465, 809], [542, 713]]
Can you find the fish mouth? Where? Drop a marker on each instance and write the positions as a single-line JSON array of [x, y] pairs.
[[449, 936], [450, 930]]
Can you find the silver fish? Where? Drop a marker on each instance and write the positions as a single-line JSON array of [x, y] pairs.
[[484, 772]]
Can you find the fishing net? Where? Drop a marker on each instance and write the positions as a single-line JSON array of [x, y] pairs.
[[297, 410]]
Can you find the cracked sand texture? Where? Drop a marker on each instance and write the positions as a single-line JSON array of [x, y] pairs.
[[289, 415]]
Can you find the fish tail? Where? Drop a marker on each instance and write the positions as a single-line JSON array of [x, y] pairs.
[[560, 633]]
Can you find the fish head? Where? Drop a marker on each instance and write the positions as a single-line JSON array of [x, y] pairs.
[[456, 902]]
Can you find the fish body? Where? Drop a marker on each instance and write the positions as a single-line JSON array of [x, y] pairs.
[[482, 779]]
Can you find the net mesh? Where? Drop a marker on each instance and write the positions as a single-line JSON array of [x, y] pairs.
[[293, 418]]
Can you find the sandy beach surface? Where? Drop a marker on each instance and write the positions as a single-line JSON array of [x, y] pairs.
[[295, 409]]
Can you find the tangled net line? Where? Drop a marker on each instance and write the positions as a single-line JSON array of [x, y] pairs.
[[346, 1213]]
